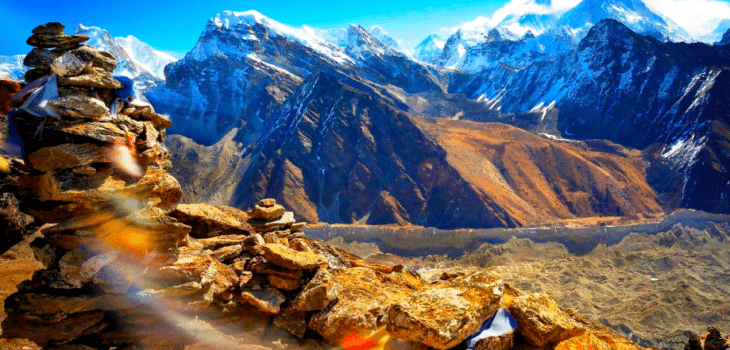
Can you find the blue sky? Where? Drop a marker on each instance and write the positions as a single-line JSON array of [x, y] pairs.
[[176, 25]]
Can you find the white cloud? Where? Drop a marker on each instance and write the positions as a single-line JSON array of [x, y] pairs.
[[478, 23], [521, 7], [697, 17]]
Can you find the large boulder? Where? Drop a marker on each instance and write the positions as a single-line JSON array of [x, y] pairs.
[[363, 299], [211, 220], [288, 258], [445, 315], [541, 320]]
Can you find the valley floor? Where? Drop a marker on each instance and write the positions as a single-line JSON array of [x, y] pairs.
[[655, 289]]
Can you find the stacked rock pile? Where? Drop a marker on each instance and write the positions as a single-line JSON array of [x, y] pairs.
[[80, 95], [128, 268]]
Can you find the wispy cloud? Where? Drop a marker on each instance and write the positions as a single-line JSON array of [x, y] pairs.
[[521, 7], [697, 17]]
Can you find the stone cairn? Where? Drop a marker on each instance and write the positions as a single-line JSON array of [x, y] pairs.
[[126, 267]]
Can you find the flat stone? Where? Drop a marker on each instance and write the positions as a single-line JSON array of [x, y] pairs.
[[297, 226], [97, 58], [56, 40], [267, 300], [227, 253], [157, 185], [363, 299], [444, 316], [100, 131], [40, 58], [145, 111], [270, 213], [272, 225], [282, 283], [214, 243], [260, 265], [44, 279], [84, 170], [55, 308], [293, 321], [210, 220], [291, 259], [541, 320], [34, 74], [81, 107], [93, 77], [92, 266], [179, 290], [68, 65], [51, 28], [67, 155], [67, 329], [267, 202]]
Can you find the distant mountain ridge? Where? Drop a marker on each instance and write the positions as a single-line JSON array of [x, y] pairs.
[[546, 31]]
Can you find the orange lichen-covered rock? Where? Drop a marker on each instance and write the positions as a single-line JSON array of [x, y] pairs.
[[363, 299], [541, 321], [213, 220], [288, 258], [443, 316], [596, 341]]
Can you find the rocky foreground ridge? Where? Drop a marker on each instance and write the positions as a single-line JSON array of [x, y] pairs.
[[128, 268]]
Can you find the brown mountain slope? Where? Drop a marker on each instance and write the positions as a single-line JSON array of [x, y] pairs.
[[537, 179], [341, 152]]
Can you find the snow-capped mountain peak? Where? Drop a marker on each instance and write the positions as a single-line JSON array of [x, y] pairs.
[[146, 56], [244, 24], [633, 13], [135, 59], [383, 36], [430, 49]]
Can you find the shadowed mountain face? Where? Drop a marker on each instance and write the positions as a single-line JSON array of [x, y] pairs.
[[245, 65], [635, 91], [333, 127], [342, 152]]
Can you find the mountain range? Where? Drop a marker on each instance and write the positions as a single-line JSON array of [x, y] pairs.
[[291, 124], [488, 128]]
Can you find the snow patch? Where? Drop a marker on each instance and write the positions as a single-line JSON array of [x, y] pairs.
[[683, 153]]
